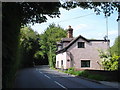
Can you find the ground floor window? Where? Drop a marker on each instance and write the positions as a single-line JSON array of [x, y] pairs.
[[85, 63], [61, 62], [57, 63]]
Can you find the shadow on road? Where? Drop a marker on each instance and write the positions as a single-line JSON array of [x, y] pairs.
[[44, 77]]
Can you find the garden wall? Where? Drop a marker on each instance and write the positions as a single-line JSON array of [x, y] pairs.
[[110, 75]]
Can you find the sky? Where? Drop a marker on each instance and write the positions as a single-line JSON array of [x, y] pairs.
[[84, 22]]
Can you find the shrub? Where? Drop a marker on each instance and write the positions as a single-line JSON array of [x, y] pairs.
[[71, 70], [78, 73], [85, 74], [108, 61]]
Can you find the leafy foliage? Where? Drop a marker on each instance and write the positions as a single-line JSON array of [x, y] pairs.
[[29, 45], [15, 14], [115, 49], [84, 74], [106, 7], [111, 58], [34, 12], [108, 61], [48, 42]]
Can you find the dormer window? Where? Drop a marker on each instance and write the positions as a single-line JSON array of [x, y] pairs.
[[81, 44]]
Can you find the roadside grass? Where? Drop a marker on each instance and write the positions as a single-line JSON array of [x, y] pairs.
[[85, 74]]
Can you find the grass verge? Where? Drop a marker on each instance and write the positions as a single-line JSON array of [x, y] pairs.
[[85, 74]]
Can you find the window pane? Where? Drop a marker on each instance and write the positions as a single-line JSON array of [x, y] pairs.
[[81, 44], [57, 63], [85, 63], [61, 62]]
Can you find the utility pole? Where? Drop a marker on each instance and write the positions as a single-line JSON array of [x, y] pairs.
[[107, 31]]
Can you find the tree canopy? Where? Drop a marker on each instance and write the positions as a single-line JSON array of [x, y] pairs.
[[106, 7], [36, 12], [17, 14], [28, 12], [110, 59], [48, 42], [115, 49]]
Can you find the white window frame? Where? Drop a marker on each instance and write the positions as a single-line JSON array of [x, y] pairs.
[[78, 45], [85, 60]]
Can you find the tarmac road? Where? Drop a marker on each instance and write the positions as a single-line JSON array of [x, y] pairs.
[[44, 77]]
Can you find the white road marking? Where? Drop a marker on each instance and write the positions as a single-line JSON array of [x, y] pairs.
[[40, 72], [54, 81], [44, 75], [60, 85], [47, 76]]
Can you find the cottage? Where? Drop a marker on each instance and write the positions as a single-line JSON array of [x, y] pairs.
[[79, 52]]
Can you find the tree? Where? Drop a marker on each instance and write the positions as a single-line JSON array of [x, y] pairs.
[[105, 7], [111, 59], [108, 61], [48, 42], [115, 49], [16, 14], [28, 46]]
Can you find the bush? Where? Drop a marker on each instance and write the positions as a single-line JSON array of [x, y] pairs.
[[74, 72], [108, 61], [71, 70], [78, 73], [85, 74]]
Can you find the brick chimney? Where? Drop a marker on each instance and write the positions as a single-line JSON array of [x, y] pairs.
[[70, 32]]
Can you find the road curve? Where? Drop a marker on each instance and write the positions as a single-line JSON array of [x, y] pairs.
[[43, 77]]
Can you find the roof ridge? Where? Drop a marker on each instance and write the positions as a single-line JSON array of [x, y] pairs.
[[74, 40]]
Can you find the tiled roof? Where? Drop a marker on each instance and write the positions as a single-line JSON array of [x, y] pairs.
[[67, 39], [73, 41]]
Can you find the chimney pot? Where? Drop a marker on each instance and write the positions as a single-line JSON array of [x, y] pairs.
[[69, 27], [70, 32]]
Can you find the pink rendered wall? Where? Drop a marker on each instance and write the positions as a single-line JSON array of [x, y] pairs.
[[90, 52]]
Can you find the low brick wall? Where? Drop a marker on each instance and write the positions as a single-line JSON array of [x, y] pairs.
[[110, 75]]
